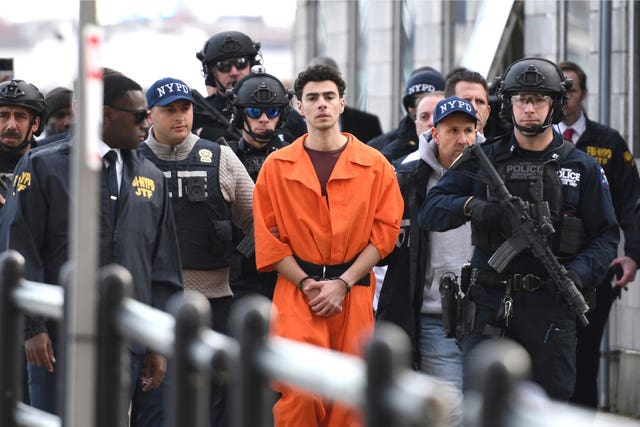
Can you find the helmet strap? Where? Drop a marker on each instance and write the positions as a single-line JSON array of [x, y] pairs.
[[11, 149], [534, 129], [261, 138]]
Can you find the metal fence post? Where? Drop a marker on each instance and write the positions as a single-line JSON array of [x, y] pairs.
[[189, 394], [250, 326], [11, 330], [495, 369], [113, 355], [386, 353]]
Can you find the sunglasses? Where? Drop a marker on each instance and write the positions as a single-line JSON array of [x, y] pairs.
[[225, 66], [139, 115], [256, 113]]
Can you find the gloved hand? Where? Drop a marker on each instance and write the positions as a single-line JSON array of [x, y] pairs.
[[589, 294], [576, 278], [484, 212]]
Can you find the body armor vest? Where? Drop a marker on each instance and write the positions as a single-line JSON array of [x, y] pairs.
[[536, 181], [202, 215]]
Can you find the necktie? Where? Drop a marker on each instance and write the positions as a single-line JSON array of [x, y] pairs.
[[112, 181], [568, 134]]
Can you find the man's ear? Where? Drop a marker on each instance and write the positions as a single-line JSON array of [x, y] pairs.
[[435, 135], [106, 113], [36, 125], [299, 105]]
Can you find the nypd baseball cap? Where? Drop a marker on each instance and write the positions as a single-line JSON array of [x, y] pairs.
[[452, 105], [165, 91]]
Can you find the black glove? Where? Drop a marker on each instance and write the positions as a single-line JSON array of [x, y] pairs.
[[484, 212], [576, 279], [589, 294]]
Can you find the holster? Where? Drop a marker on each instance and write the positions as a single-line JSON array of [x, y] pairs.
[[449, 300]]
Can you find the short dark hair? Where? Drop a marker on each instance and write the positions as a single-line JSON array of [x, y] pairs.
[[464, 76], [116, 86], [572, 66], [319, 73]]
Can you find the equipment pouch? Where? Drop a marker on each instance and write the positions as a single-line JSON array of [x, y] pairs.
[[465, 277], [468, 316], [572, 235]]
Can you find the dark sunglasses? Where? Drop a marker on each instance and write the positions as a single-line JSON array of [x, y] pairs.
[[256, 113], [225, 66], [139, 115]]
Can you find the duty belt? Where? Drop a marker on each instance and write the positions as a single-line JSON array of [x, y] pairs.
[[518, 282], [326, 272]]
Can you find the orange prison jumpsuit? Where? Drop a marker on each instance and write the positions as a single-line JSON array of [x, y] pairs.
[[363, 205]]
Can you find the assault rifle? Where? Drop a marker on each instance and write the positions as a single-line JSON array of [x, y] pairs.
[[528, 234], [201, 104]]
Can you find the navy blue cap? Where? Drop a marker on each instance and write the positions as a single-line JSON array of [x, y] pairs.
[[422, 82], [452, 105], [165, 91]]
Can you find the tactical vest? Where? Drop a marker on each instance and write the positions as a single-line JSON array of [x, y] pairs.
[[536, 181], [201, 214], [252, 158]]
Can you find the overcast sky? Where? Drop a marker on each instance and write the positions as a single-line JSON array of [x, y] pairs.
[[146, 54], [274, 12]]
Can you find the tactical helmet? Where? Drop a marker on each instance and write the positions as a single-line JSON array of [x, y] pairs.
[[535, 75], [228, 44], [257, 89], [422, 82], [22, 94]]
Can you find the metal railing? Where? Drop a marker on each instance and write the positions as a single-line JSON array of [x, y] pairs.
[[381, 384]]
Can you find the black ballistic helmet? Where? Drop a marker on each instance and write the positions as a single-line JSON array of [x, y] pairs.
[[22, 94], [257, 89], [225, 45], [534, 75]]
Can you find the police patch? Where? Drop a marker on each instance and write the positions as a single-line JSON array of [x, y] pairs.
[[569, 177], [603, 179], [206, 155]]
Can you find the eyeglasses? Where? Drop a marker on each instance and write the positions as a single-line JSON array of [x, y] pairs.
[[256, 113], [537, 101], [225, 66], [139, 115]]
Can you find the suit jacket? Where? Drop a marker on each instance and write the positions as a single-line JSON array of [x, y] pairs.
[[362, 125]]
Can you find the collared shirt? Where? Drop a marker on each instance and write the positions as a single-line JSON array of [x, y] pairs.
[[103, 149], [578, 127]]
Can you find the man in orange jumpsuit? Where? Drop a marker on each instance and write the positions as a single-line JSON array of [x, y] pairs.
[[326, 209]]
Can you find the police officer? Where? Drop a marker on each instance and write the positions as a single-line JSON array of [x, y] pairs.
[[225, 58], [258, 102], [22, 111], [404, 139], [538, 167], [137, 231], [209, 189]]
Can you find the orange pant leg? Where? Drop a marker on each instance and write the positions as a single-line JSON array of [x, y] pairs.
[[293, 320], [349, 334]]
